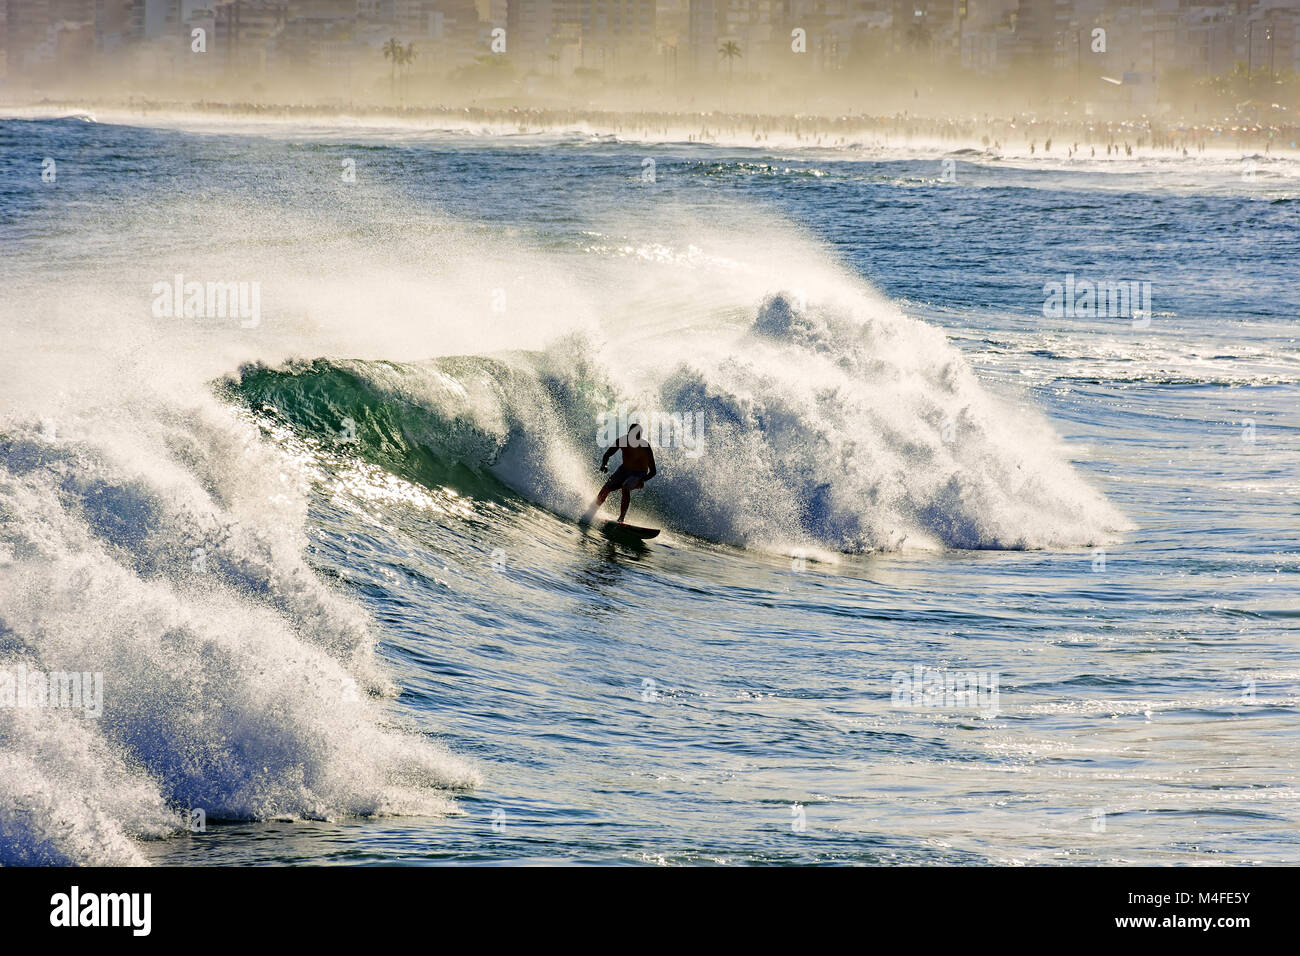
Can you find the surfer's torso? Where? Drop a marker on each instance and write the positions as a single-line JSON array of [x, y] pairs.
[[636, 457]]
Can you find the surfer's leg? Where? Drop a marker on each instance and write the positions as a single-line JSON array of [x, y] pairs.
[[627, 500], [615, 480]]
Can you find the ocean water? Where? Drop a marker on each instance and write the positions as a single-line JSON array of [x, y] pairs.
[[323, 554]]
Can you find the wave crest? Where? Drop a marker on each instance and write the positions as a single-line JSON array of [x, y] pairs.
[[842, 424], [164, 552]]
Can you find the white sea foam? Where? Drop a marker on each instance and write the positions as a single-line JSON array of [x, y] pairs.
[[832, 419], [160, 548]]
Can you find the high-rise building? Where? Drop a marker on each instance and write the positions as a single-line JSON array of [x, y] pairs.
[[1040, 24], [754, 26], [245, 31], [534, 26], [616, 35], [113, 26], [610, 35], [49, 35]]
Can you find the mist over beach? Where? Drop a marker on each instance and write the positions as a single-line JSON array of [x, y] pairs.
[[1009, 76]]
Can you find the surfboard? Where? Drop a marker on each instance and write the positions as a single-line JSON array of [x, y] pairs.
[[612, 529]]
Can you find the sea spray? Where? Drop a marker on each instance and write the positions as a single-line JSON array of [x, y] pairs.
[[846, 427], [232, 688]]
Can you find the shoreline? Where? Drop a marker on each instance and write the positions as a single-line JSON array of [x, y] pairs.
[[1021, 135]]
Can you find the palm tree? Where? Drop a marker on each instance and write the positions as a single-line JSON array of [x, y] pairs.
[[408, 56], [731, 51], [393, 51]]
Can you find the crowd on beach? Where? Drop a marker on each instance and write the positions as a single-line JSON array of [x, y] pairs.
[[1056, 135]]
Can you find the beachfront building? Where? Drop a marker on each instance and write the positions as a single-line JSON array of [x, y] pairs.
[[838, 33], [988, 38], [1057, 39], [615, 37], [1145, 38], [1272, 36], [757, 28], [44, 36], [929, 28], [244, 33]]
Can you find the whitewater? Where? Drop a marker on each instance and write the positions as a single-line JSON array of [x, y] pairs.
[[326, 561]]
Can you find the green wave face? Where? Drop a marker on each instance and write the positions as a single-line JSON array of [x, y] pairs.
[[446, 422]]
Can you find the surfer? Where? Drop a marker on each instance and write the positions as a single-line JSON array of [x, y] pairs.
[[636, 468]]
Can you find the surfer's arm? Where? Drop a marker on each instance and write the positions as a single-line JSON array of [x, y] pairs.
[[609, 453], [654, 469]]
